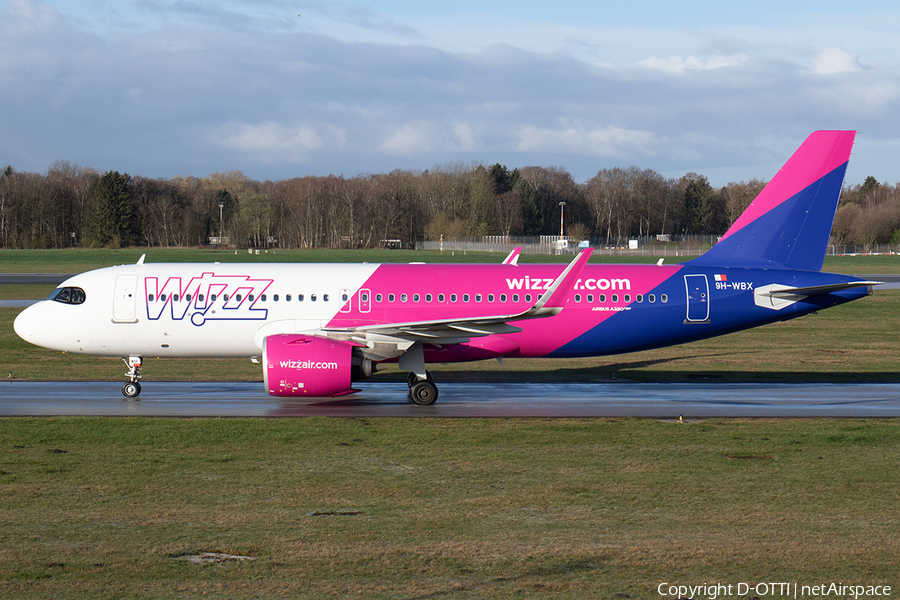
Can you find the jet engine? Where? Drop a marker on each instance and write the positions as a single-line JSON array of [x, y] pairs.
[[307, 365]]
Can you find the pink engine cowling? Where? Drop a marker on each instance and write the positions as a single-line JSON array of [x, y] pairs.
[[306, 365]]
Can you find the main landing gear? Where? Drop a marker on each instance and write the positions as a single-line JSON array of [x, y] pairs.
[[422, 391], [132, 387]]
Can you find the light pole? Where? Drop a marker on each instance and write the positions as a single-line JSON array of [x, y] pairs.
[[221, 205], [562, 211]]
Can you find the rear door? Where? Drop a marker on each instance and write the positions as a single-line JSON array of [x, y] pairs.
[[697, 288]]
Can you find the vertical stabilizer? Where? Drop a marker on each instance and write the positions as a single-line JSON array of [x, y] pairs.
[[788, 225]]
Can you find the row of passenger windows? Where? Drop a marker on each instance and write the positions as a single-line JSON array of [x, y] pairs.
[[651, 298], [364, 297], [442, 298], [626, 298], [238, 297]]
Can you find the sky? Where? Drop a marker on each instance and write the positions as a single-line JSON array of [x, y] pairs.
[[282, 89]]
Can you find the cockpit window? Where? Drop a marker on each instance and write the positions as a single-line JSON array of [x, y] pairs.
[[67, 295]]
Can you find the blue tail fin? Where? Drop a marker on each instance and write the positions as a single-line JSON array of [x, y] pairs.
[[788, 225]]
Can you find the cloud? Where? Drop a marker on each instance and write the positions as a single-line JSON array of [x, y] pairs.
[[412, 139], [584, 140], [835, 60], [358, 15], [194, 93], [677, 64], [267, 138]]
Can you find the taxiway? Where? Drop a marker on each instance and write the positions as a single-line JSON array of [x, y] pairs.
[[612, 399]]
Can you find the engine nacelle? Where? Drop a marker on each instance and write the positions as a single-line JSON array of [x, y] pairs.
[[306, 365]]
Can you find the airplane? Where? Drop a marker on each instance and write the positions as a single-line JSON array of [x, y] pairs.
[[317, 328]]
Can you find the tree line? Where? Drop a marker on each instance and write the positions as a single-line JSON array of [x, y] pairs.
[[70, 206]]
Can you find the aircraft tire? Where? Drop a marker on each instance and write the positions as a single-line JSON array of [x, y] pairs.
[[424, 393], [131, 389]]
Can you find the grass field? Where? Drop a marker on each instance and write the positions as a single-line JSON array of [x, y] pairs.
[[108, 508], [78, 260]]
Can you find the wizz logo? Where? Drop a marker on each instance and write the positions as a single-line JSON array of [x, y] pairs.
[[206, 298]]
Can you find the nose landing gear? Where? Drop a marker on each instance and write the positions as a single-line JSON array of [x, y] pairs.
[[132, 387]]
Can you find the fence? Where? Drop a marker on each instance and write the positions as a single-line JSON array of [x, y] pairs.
[[836, 250], [661, 246], [553, 244]]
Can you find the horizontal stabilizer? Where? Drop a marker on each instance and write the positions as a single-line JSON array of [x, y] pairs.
[[817, 290], [778, 296]]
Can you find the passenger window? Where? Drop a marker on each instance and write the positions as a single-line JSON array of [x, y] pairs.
[[615, 298], [150, 298], [344, 297], [275, 297], [427, 297], [287, 297], [187, 298], [312, 297], [390, 297], [640, 298], [577, 297], [452, 297], [162, 297], [200, 297], [364, 297], [175, 297], [465, 297], [651, 298], [602, 298], [416, 297], [378, 297], [263, 297], [664, 298], [627, 297], [402, 297], [440, 297], [527, 297], [590, 298], [238, 298], [299, 298], [213, 297], [477, 297], [502, 297], [515, 297], [250, 298], [324, 297], [225, 297]]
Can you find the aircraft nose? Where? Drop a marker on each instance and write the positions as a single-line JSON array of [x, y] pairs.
[[27, 324]]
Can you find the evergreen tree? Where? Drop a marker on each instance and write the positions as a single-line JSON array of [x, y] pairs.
[[113, 222], [869, 185]]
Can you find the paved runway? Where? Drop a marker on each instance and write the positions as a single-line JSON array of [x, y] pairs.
[[614, 399]]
